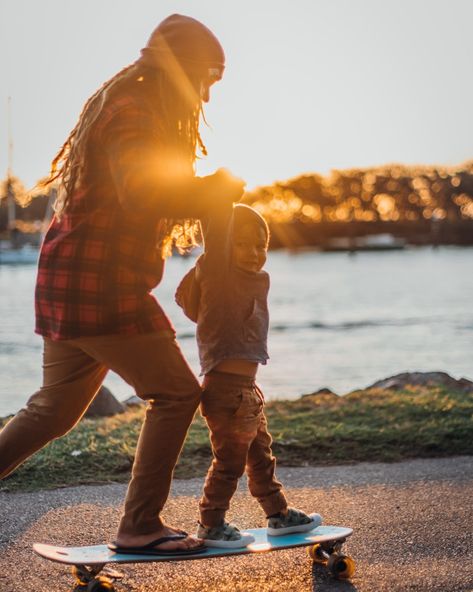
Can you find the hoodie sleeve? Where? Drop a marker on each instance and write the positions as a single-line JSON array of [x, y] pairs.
[[187, 295], [147, 174], [216, 231]]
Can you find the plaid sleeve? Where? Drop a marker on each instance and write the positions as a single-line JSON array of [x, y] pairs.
[[146, 172]]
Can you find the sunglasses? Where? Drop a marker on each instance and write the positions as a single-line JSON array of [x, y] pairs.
[[215, 74]]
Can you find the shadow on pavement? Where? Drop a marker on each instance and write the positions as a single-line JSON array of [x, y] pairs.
[[322, 581]]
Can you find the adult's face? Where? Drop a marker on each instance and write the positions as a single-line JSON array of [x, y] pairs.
[[213, 75]]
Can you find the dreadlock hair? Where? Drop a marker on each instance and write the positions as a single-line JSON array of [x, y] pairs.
[[179, 116]]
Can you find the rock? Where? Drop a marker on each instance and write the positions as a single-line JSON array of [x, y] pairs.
[[400, 381], [322, 391], [133, 400], [323, 396], [104, 404]]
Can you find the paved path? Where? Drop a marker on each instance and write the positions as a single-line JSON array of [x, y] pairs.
[[412, 521]]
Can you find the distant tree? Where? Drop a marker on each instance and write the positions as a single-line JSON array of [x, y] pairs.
[[386, 193], [33, 204]]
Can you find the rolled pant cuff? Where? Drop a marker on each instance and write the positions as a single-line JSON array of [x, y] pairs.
[[212, 518], [274, 504]]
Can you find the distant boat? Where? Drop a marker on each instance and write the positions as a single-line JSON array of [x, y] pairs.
[[380, 242], [13, 248], [371, 242]]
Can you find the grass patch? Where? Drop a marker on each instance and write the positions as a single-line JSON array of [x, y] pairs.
[[370, 425]]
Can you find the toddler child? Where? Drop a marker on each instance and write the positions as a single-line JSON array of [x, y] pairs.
[[226, 294]]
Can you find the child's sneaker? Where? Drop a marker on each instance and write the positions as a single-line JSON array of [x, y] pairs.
[[293, 521], [225, 536]]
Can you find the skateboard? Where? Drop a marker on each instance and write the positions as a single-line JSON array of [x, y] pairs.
[[324, 545]]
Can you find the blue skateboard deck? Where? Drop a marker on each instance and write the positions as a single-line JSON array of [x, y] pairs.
[[325, 544], [101, 554]]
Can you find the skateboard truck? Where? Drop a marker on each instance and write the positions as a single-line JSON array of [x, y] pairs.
[[87, 580], [341, 566]]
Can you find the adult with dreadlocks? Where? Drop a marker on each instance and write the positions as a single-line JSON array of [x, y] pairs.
[[127, 192]]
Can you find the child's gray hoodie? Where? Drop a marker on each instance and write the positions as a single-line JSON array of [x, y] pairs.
[[229, 304]]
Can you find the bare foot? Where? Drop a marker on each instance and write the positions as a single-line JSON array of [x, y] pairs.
[[129, 540]]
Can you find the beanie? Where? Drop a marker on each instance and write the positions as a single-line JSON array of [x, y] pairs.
[[186, 40]]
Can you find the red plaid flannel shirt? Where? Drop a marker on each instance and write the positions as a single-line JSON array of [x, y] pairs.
[[100, 261]]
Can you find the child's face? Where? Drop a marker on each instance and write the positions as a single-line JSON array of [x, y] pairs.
[[249, 247]]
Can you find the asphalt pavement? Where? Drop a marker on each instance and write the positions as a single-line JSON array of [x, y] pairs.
[[412, 522]]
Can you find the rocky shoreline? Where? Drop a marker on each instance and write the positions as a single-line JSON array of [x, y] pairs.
[[410, 415], [105, 404]]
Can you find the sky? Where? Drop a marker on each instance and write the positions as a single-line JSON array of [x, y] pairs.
[[310, 85]]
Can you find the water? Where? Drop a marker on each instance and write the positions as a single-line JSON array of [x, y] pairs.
[[337, 320]]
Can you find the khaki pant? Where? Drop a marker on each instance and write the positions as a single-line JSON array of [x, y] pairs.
[[73, 371], [233, 408]]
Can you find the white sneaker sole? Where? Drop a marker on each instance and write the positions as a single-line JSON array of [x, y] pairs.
[[246, 539], [316, 521]]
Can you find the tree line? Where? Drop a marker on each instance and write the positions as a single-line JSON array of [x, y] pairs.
[[419, 202]]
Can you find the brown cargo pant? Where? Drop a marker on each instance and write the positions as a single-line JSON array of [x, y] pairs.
[[233, 408], [73, 371]]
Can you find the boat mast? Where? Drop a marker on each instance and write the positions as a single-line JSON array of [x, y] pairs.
[[11, 211]]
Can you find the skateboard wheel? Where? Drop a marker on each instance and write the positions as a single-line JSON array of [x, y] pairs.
[[341, 566], [81, 579], [100, 585], [316, 553]]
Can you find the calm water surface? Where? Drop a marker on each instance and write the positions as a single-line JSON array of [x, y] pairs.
[[337, 320]]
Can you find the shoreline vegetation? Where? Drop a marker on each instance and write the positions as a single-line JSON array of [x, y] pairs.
[[390, 421], [415, 204]]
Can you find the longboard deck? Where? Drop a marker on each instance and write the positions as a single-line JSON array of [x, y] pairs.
[[101, 554]]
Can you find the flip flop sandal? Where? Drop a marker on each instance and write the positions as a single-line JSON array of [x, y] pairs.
[[149, 549]]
